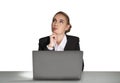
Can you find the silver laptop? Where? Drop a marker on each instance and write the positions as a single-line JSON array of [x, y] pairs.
[[57, 65]]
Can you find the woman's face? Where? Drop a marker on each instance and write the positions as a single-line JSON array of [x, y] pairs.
[[59, 24]]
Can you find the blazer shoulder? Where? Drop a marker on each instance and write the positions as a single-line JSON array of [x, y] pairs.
[[72, 37], [44, 39]]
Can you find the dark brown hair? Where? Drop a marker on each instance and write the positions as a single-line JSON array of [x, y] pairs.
[[67, 18]]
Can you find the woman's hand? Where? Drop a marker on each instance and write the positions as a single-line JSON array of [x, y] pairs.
[[53, 38]]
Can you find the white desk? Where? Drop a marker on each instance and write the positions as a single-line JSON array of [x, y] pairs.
[[87, 77]]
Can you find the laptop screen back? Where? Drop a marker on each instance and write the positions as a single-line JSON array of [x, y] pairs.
[[57, 64]]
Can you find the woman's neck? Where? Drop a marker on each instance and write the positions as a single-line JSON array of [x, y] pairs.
[[59, 38]]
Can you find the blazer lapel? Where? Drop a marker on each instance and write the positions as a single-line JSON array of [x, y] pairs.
[[67, 44]]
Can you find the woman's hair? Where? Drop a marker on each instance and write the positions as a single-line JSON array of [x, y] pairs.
[[67, 18]]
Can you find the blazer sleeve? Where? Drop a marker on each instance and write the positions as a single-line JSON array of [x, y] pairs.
[[43, 42], [77, 46]]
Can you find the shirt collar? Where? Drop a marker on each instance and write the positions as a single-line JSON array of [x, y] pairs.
[[61, 46]]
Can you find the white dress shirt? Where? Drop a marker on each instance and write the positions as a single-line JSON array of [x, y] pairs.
[[61, 46]]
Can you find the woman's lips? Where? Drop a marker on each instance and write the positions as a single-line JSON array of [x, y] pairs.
[[54, 29]]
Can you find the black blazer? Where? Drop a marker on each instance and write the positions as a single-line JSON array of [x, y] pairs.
[[72, 44]]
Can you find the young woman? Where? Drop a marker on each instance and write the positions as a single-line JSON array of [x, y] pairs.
[[59, 40]]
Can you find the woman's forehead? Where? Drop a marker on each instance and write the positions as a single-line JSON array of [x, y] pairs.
[[60, 16]]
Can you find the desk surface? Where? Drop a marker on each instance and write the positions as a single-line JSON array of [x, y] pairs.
[[87, 77]]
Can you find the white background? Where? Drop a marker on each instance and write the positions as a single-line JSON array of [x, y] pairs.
[[95, 22]]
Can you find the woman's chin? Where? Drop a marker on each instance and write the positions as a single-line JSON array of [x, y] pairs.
[[55, 32]]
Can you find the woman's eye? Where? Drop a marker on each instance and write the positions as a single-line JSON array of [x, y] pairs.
[[61, 21]]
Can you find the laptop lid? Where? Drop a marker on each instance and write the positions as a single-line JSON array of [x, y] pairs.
[[57, 65]]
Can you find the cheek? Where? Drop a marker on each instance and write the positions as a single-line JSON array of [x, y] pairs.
[[52, 24], [65, 28]]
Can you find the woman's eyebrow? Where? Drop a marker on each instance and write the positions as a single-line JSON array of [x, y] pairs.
[[61, 20]]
